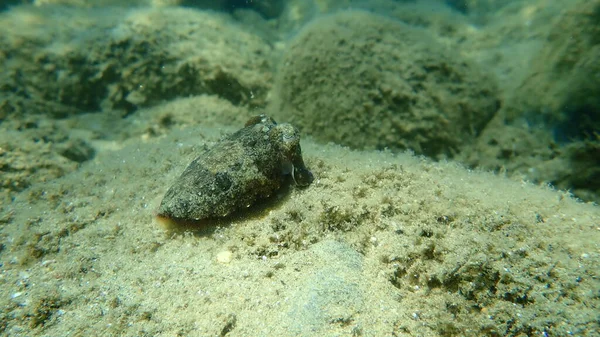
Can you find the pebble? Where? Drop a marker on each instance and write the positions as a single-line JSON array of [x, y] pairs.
[[224, 257]]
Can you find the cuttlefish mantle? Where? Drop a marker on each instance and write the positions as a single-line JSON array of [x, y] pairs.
[[241, 169]]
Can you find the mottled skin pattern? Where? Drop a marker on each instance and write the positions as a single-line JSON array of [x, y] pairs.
[[247, 166]]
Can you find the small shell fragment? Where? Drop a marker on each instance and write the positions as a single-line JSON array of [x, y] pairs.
[[224, 257], [247, 166]]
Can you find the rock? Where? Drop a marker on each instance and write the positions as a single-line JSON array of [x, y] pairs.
[[562, 87], [367, 81], [81, 60]]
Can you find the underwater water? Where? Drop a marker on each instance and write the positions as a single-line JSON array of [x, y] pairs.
[[299, 168]]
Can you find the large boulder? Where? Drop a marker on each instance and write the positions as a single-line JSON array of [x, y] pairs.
[[367, 81], [562, 89], [69, 60], [549, 129]]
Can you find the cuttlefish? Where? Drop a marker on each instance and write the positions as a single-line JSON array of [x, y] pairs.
[[241, 169]]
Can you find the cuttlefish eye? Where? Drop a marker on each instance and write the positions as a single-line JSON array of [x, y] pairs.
[[289, 137], [286, 138], [289, 134]]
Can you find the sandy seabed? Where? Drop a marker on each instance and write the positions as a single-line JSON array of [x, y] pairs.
[[382, 243], [379, 245]]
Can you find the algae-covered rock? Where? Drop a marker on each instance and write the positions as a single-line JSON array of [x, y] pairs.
[[563, 85], [548, 130], [81, 60], [367, 81]]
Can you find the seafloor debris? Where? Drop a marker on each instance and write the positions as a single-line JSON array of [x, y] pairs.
[[244, 167]]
